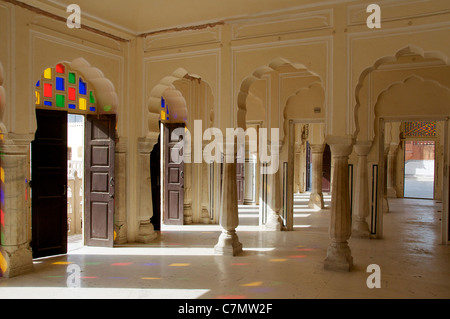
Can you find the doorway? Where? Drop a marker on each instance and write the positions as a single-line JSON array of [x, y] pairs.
[[419, 169], [60, 208]]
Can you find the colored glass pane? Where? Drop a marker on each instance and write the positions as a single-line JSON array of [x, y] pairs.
[[38, 83], [60, 100], [48, 74], [91, 97], [48, 103], [72, 94], [92, 108], [60, 69], [48, 90], [82, 104], [82, 87], [72, 106], [163, 115], [72, 78], [59, 84], [38, 98]]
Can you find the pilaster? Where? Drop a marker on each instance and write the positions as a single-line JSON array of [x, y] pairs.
[[15, 250], [361, 196]]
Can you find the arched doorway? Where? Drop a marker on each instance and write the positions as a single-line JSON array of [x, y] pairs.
[[64, 90]]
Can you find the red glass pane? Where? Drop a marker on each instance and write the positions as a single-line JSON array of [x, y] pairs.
[[60, 68], [48, 92], [72, 94]]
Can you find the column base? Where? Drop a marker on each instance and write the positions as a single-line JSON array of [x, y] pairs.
[[146, 233], [360, 229], [228, 244], [15, 261], [120, 234], [273, 222], [316, 201], [339, 257]]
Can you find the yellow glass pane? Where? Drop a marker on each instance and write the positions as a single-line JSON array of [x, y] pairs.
[[38, 98], [48, 73], [163, 115], [82, 104]]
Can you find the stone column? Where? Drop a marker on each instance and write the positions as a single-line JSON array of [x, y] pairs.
[[339, 255], [391, 170], [205, 217], [120, 200], [15, 251], [187, 204], [146, 232], [316, 197], [228, 243], [361, 208], [274, 199]]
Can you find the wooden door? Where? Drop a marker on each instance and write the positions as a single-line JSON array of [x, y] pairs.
[[49, 184], [173, 178], [99, 181], [326, 169]]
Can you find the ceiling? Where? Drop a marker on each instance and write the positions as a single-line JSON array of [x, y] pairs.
[[146, 16]]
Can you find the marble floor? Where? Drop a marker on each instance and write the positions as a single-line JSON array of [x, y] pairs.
[[181, 263]]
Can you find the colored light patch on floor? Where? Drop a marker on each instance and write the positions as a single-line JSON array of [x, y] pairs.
[[278, 260], [121, 264], [261, 290], [179, 265], [88, 277], [62, 263], [253, 284], [92, 263], [151, 278], [297, 256], [240, 264]]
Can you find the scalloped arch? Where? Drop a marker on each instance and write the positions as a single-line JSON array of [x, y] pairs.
[[413, 96], [410, 49], [154, 101], [274, 65]]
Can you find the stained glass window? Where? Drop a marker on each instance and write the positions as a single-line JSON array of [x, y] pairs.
[[164, 110], [61, 88], [420, 129]]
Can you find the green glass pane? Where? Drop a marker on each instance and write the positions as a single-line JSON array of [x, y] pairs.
[[91, 97], [72, 78], [60, 100]]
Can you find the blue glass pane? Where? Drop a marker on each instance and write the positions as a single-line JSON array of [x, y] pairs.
[[59, 84], [72, 106], [38, 83], [48, 103], [92, 109], [163, 103], [82, 87]]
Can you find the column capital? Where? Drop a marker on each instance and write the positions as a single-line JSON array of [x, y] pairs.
[[362, 148], [317, 148], [146, 144], [341, 146]]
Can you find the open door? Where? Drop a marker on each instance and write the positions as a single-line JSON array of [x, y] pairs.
[[99, 180], [326, 170], [49, 184], [174, 178]]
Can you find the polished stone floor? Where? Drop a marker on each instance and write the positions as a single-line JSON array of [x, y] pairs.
[[181, 263]]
